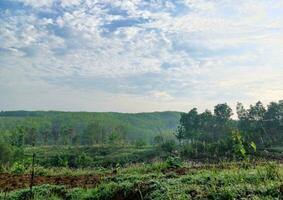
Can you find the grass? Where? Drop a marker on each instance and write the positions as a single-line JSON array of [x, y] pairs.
[[159, 181], [128, 174]]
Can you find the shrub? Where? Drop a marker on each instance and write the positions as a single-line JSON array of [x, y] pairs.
[[83, 160], [169, 146], [6, 153], [140, 143], [187, 150], [18, 168], [39, 192], [59, 161], [174, 162], [158, 139], [272, 171], [238, 145]]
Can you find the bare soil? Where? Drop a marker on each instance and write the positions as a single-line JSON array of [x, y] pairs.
[[10, 182]]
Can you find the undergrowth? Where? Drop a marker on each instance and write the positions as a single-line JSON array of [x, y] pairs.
[[162, 180]]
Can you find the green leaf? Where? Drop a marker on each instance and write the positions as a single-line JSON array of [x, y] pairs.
[[253, 145]]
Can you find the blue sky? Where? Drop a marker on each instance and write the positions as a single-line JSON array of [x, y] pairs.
[[139, 55]]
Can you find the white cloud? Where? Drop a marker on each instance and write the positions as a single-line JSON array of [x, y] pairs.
[[38, 3], [161, 95], [66, 3], [196, 52]]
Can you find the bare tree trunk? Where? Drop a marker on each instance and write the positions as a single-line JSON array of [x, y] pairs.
[[32, 168]]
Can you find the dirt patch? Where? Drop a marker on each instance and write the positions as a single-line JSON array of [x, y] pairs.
[[10, 182], [177, 171], [181, 171], [185, 170]]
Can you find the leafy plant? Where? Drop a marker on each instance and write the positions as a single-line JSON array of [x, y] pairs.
[[18, 168], [83, 160], [253, 146], [140, 143], [238, 145], [174, 162]]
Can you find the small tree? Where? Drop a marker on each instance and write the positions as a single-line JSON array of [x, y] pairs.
[[238, 145], [169, 146], [180, 134], [158, 140], [113, 138], [6, 153], [140, 143]]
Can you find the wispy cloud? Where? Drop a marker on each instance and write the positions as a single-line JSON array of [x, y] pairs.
[[164, 55]]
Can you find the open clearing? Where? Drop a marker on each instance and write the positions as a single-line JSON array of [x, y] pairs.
[[10, 182], [158, 180]]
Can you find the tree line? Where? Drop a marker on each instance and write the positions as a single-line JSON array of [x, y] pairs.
[[20, 128], [258, 123], [56, 134], [217, 133]]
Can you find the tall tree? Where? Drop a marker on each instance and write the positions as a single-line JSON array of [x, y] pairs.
[[223, 113], [207, 126], [256, 122], [94, 134], [189, 123], [243, 116], [55, 131], [223, 125], [273, 121]]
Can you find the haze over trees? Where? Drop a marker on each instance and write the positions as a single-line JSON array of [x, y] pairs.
[[109, 143], [264, 125], [81, 128]]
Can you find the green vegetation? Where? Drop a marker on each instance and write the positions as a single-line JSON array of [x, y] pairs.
[[94, 156], [143, 156], [216, 134], [83, 128], [161, 181]]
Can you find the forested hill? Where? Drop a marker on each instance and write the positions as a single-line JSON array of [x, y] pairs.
[[55, 124]]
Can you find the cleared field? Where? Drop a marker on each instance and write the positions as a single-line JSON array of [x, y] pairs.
[[161, 180], [10, 182]]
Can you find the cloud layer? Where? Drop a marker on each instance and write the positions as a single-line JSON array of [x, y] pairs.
[[136, 55]]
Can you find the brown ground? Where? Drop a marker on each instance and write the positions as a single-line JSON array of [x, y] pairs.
[[10, 182]]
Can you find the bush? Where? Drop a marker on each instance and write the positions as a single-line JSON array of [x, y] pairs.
[[18, 168], [174, 162], [83, 160], [39, 192], [6, 153], [187, 150], [272, 171], [140, 143], [169, 146], [59, 161], [239, 149]]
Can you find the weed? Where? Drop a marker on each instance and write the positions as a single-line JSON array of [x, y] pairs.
[[174, 162]]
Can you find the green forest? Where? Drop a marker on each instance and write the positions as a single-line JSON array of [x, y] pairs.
[[81, 128], [85, 155], [141, 100]]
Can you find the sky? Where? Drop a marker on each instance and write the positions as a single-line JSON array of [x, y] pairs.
[[139, 55]]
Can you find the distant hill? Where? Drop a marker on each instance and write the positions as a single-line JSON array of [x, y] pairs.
[[139, 125]]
